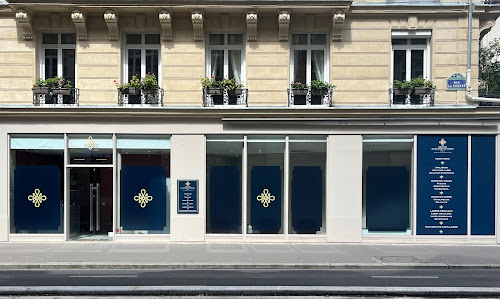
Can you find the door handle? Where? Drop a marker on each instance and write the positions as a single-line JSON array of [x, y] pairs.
[[98, 208], [91, 206]]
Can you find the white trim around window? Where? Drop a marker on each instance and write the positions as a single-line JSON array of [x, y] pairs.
[[230, 42], [409, 46], [46, 43], [304, 42], [142, 46]]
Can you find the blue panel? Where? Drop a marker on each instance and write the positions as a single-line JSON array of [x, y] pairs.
[[387, 198], [265, 219], [307, 195], [47, 179], [187, 197], [153, 215], [483, 185], [225, 199], [442, 185]]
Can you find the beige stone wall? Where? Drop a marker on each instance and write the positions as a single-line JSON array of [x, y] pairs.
[[360, 64], [17, 64]]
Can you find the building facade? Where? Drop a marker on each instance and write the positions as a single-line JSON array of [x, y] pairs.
[[254, 156]]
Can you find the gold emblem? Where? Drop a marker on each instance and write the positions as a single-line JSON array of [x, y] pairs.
[[265, 198], [442, 142], [37, 198], [90, 143], [143, 198]]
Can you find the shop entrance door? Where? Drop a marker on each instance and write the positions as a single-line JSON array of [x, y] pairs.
[[91, 203]]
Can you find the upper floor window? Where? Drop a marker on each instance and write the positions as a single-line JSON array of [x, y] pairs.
[[58, 57], [142, 55], [410, 55], [225, 58], [309, 59]]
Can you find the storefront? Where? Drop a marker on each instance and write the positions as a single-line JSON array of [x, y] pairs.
[[233, 180]]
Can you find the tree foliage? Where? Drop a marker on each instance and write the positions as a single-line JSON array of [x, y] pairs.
[[489, 66]]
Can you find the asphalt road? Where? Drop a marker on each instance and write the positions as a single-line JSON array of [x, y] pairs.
[[487, 278]]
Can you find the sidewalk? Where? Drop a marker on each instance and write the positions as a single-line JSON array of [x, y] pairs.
[[101, 255]]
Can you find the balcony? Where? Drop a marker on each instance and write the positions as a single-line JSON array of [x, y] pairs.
[[310, 97], [213, 97], [418, 96], [45, 96], [134, 97]]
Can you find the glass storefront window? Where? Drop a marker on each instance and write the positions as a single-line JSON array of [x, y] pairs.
[[90, 149], [265, 176], [224, 184], [36, 184], [387, 187], [144, 184], [307, 173]]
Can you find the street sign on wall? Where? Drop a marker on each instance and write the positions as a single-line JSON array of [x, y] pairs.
[[457, 81]]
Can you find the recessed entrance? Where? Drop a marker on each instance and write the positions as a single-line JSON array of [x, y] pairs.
[[91, 203]]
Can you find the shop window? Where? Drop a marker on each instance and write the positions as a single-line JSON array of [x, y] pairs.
[[142, 55], [224, 188], [265, 177], [90, 149], [309, 59], [145, 187], [36, 184], [225, 56], [307, 173], [387, 187], [58, 56]]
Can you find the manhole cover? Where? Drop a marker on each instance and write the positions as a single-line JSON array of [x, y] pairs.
[[397, 259]]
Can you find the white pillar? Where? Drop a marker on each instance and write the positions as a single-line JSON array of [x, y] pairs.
[[4, 187], [344, 188], [187, 162]]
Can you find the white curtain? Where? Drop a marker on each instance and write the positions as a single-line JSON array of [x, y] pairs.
[[235, 64], [318, 63], [215, 60]]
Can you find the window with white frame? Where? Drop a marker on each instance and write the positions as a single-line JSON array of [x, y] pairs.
[[225, 56], [309, 59], [58, 57], [410, 55], [142, 55]]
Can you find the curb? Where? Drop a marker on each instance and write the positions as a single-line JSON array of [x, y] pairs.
[[235, 266], [248, 291]]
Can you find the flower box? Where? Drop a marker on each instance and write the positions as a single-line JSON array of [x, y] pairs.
[[40, 90], [63, 91], [131, 91], [300, 92], [214, 91], [422, 90], [151, 91], [235, 92], [319, 92]]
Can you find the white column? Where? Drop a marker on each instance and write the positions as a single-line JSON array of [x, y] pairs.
[[344, 188], [4, 187], [188, 162]]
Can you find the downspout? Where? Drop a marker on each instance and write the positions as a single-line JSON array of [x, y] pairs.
[[468, 95]]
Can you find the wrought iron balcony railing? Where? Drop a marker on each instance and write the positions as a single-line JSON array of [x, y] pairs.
[[56, 97], [222, 97], [417, 96], [310, 97], [489, 94], [491, 1], [140, 97]]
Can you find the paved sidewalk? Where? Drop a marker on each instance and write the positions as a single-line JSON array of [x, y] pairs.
[[101, 255]]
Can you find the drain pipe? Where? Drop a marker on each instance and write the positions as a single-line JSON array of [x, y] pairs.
[[468, 95]]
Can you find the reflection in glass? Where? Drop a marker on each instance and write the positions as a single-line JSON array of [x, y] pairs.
[[68, 57], [417, 63], [317, 65], [299, 66], [134, 63], [217, 64], [50, 63], [152, 62], [235, 65], [400, 65]]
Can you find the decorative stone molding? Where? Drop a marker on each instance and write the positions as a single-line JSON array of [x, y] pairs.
[[197, 19], [165, 17], [284, 22], [24, 19], [338, 19], [111, 19], [79, 19], [252, 25], [485, 25], [412, 22]]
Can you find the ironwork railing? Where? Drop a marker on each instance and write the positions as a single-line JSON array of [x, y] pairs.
[[489, 94], [417, 97], [143, 97], [222, 97], [310, 97], [491, 1], [56, 97]]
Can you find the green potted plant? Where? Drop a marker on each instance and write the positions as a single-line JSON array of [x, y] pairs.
[[422, 86], [40, 87], [232, 86], [321, 88], [299, 89], [211, 86], [402, 87], [149, 84], [60, 85]]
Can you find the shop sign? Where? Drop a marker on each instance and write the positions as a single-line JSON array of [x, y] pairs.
[[457, 81], [187, 197], [442, 185]]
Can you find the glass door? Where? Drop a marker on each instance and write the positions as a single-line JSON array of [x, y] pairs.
[[91, 203]]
